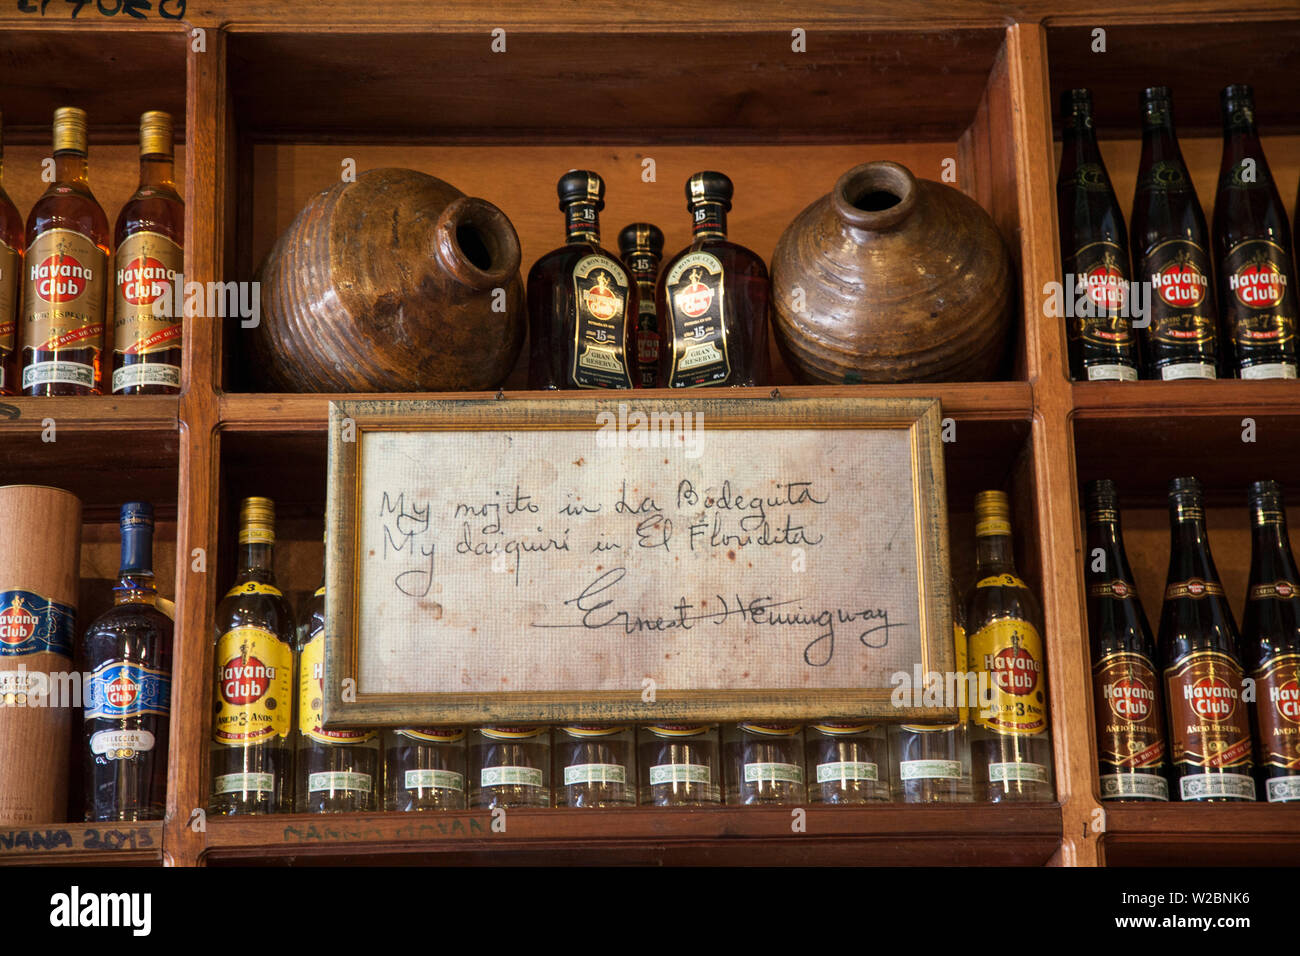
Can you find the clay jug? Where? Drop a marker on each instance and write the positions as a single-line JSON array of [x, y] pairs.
[[388, 284], [902, 279]]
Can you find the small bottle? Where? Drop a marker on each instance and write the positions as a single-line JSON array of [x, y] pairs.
[[582, 305], [713, 298], [848, 762], [1270, 630], [147, 263], [679, 765], [11, 264], [764, 764], [252, 751], [510, 767], [595, 766], [127, 653], [1094, 252], [642, 247], [1171, 252], [424, 769], [1209, 732], [64, 270], [1126, 693]]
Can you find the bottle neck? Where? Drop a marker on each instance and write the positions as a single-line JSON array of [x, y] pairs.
[[1104, 532], [71, 167], [157, 171], [993, 555], [709, 220], [1189, 545], [135, 579], [643, 265], [255, 560], [1270, 554], [582, 223]]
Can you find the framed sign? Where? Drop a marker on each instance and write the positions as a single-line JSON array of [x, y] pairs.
[[621, 560]]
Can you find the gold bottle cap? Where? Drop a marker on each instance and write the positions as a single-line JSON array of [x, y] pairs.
[[257, 521], [70, 130], [992, 513], [155, 133]]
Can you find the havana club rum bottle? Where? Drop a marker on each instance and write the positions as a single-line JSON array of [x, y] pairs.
[[595, 766], [1209, 732], [642, 248], [1252, 245], [679, 765], [1125, 684], [252, 755], [150, 230], [713, 298], [1094, 253], [1011, 751], [582, 305], [424, 768], [64, 271], [1171, 252], [11, 264], [1270, 629]]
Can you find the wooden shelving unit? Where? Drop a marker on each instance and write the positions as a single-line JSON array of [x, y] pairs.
[[275, 99]]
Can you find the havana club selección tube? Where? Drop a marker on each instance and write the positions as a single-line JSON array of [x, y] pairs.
[[595, 766], [642, 247], [510, 767], [64, 272], [149, 233], [1209, 732], [1094, 252], [1171, 252], [424, 768], [679, 765], [252, 754], [764, 764], [848, 762], [11, 264], [713, 299], [582, 305], [1270, 651], [1252, 246], [1125, 682], [1011, 750]]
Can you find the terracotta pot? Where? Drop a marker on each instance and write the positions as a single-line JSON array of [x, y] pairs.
[[387, 284], [902, 280]]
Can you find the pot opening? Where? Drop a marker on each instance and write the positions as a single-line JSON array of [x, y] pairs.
[[875, 196], [875, 200], [473, 246]]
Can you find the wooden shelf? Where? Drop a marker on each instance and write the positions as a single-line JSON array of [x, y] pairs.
[[114, 413], [81, 844], [1219, 834]]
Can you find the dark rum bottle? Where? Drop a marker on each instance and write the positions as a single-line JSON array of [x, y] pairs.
[[1125, 682], [582, 305], [11, 264], [127, 653], [64, 270], [1270, 650], [252, 754], [1209, 732], [1094, 253], [1252, 247], [642, 248], [713, 298], [148, 260], [1171, 252]]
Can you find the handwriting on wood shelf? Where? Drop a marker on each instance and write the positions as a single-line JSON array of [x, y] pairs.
[[135, 9], [91, 838]]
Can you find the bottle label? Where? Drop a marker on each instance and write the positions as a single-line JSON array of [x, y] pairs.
[[694, 289], [1208, 724], [1277, 712], [1209, 786], [10, 265], [1273, 589], [311, 691], [244, 783], [434, 780], [510, 777], [1011, 653], [1163, 176], [668, 773], [511, 733], [1259, 308], [1017, 772], [677, 730], [580, 774], [63, 305], [1134, 786], [600, 288], [1282, 789], [771, 730], [773, 773], [594, 730], [1001, 581], [31, 624], [1181, 334], [1130, 733], [145, 266], [116, 690], [843, 770], [254, 587], [1192, 588], [647, 337], [1113, 589], [929, 770], [432, 735], [834, 728], [254, 688], [121, 744], [1102, 332], [330, 781]]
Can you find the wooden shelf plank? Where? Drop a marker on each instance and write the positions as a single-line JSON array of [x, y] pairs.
[[1223, 397], [67, 844], [101, 412], [1217, 834]]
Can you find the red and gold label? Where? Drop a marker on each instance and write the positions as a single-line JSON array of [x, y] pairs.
[[1272, 589], [1260, 308], [1130, 726], [1207, 722], [697, 333], [1011, 653], [63, 305], [601, 296], [311, 692], [10, 265], [254, 694], [1117, 588], [1277, 712], [1192, 588]]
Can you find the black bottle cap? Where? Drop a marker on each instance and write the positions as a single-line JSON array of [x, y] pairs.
[[1076, 101], [708, 186], [1101, 494], [1264, 489], [581, 185], [1185, 488], [641, 237]]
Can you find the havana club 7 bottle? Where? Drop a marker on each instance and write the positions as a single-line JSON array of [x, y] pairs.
[[1209, 733], [1270, 629], [11, 263], [713, 298], [1094, 252], [252, 756], [582, 305], [1125, 685], [150, 230], [642, 247], [64, 271], [1252, 245], [1171, 252]]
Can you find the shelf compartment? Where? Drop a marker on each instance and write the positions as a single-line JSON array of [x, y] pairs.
[[1202, 835], [83, 844]]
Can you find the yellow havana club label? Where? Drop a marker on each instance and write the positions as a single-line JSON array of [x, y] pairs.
[[433, 735], [311, 692], [63, 305], [10, 264], [1011, 653], [254, 587], [254, 693], [145, 266], [1001, 581]]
